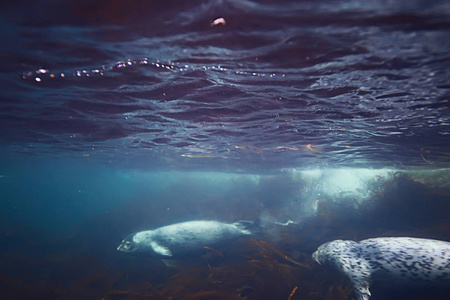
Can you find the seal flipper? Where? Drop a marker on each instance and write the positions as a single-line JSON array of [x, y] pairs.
[[160, 249], [359, 276], [170, 263], [248, 227], [361, 286]]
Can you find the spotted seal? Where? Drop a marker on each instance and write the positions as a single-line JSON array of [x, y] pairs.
[[184, 239], [398, 259]]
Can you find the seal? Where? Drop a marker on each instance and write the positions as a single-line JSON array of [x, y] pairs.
[[185, 239], [397, 259]]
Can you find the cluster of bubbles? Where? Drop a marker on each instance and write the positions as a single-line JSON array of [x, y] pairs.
[[42, 74]]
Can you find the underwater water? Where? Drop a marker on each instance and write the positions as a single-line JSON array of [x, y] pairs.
[[323, 120]]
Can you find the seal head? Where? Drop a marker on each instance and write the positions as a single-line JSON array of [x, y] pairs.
[[140, 242]]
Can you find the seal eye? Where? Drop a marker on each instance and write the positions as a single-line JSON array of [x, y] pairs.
[[127, 245]]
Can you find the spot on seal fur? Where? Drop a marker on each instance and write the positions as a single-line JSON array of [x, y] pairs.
[[399, 259]]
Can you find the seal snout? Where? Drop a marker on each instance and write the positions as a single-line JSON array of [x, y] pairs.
[[315, 256], [120, 248]]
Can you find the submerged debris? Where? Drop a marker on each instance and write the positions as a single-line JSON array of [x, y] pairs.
[[292, 293]]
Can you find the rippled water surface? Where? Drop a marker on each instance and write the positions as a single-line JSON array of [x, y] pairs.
[[273, 84]]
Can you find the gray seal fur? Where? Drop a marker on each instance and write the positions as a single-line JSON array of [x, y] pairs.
[[400, 259], [181, 239]]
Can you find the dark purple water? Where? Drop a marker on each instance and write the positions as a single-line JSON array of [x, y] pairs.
[[156, 84]]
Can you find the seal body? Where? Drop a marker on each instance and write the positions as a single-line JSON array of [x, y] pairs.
[[397, 259], [183, 239]]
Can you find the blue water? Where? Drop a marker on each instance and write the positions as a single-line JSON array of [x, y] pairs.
[[124, 116]]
